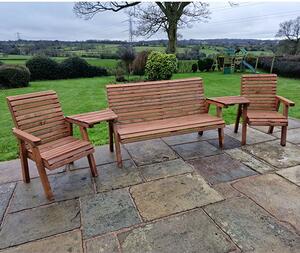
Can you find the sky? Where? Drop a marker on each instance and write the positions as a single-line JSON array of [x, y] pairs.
[[56, 21]]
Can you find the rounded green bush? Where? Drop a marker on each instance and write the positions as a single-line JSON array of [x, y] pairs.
[[74, 67], [43, 68], [160, 66], [14, 76]]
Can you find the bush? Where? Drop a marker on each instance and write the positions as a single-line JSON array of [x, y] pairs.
[[139, 63], [74, 67], [96, 71], [205, 64], [14, 76], [194, 67], [127, 55], [160, 66], [1, 63], [43, 68]]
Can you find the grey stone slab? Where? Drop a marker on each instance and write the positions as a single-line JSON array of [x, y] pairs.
[[252, 228], [276, 155], [189, 232], [275, 194], [293, 135], [249, 160], [105, 244], [221, 168], [253, 135], [292, 174], [192, 137], [229, 143], [147, 152], [38, 223], [195, 150], [227, 191], [102, 155], [171, 195], [265, 129], [112, 177], [6, 191], [65, 243], [106, 212], [68, 185], [165, 169], [11, 171]]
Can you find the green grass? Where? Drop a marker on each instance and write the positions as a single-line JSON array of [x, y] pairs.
[[84, 95]]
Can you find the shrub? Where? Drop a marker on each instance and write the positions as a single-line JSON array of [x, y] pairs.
[[43, 68], [205, 64], [1, 63], [127, 55], [14, 76], [74, 67], [160, 66], [96, 71], [194, 67], [139, 63]]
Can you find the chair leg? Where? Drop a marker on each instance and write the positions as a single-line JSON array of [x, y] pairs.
[[271, 128], [237, 121], [118, 150], [24, 162], [283, 135], [200, 133], [244, 133], [92, 164], [45, 181], [221, 137], [111, 136]]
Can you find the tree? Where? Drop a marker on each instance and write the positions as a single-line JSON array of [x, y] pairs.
[[153, 17], [291, 31]]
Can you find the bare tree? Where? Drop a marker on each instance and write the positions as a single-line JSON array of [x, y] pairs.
[[290, 30], [153, 17]]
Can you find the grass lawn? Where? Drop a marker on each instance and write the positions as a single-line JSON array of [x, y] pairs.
[[84, 95]]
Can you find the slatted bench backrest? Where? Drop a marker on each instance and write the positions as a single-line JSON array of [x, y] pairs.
[[147, 101], [260, 89], [39, 114]]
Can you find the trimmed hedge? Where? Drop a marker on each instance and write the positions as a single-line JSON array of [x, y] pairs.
[[14, 76], [160, 66]]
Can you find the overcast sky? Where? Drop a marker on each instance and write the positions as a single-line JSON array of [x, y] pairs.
[[51, 21]]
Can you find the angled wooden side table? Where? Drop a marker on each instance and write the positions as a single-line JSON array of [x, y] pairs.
[[89, 119], [242, 103]]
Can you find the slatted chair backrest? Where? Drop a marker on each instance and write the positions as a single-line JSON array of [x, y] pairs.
[[260, 89], [147, 101], [39, 114]]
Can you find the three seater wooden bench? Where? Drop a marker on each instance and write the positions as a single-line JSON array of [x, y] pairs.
[[157, 109]]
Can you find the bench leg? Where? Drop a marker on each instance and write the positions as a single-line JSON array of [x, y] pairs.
[[238, 116], [92, 164], [221, 137], [200, 133], [271, 128], [111, 136], [244, 126], [118, 149], [45, 181], [283, 135], [24, 162]]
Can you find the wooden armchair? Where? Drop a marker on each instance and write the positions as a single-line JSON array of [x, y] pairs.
[[260, 89], [45, 136]]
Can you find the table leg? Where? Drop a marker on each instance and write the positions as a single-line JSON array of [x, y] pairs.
[[244, 126], [238, 116], [111, 136]]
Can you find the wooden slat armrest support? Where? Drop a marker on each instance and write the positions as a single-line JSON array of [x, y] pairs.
[[285, 101], [24, 136]]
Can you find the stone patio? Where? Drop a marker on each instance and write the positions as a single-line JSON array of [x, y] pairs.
[[174, 194]]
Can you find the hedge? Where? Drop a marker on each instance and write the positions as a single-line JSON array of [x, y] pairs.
[[14, 76]]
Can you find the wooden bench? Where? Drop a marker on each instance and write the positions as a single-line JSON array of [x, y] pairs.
[[260, 89], [45, 136], [151, 110]]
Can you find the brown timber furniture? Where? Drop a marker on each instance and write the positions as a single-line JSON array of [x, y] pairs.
[[45, 136], [260, 89], [151, 110], [90, 119]]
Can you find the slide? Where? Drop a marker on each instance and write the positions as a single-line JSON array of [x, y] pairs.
[[247, 65]]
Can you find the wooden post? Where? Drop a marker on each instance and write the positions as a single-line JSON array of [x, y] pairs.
[[272, 65], [111, 135], [237, 120], [244, 127], [24, 162]]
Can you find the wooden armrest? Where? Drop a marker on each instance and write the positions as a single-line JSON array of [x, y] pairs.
[[22, 135], [285, 101], [214, 102], [77, 122]]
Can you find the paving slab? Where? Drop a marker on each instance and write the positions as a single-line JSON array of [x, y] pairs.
[[192, 137], [165, 169], [6, 191], [189, 232], [38, 223], [151, 151], [11, 171], [293, 123], [293, 135], [102, 155], [226, 190], [103, 244], [249, 160], [195, 150], [112, 177], [276, 155], [275, 194], [221, 168], [229, 143], [292, 174], [68, 185], [253, 135], [106, 212], [252, 228], [65, 243], [171, 195]]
